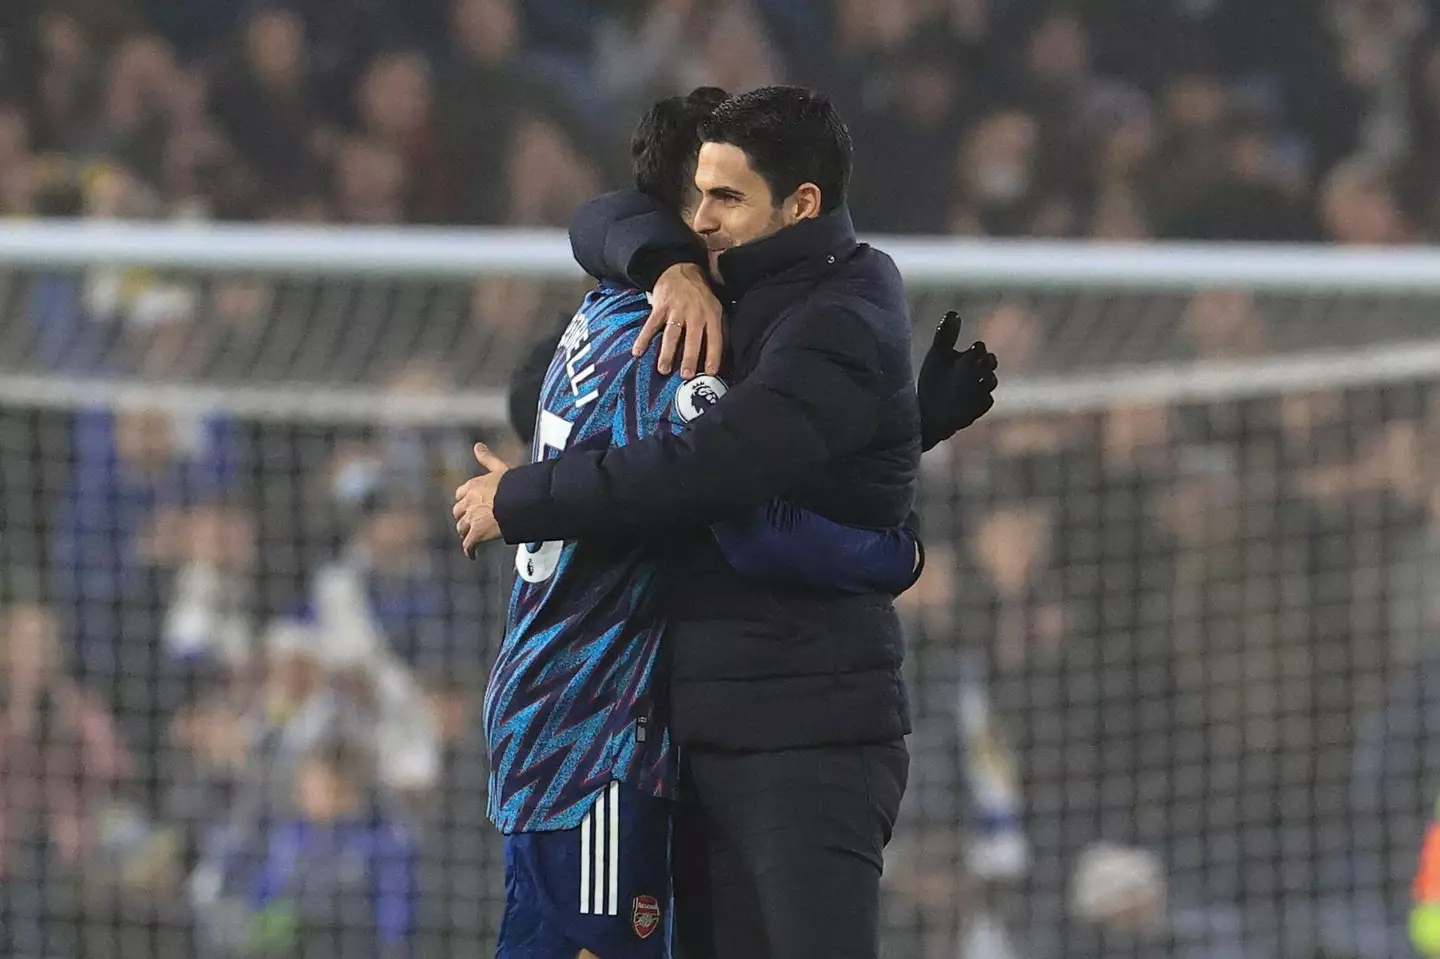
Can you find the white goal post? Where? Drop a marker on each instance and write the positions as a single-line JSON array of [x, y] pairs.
[[927, 264]]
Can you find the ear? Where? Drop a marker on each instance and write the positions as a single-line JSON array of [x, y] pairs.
[[804, 203]]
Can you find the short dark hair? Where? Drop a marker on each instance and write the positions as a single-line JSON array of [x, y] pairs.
[[663, 148], [791, 135]]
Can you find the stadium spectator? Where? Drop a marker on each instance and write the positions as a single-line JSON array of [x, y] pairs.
[[65, 82], [643, 49], [1057, 83], [210, 746], [1249, 195], [1225, 324], [132, 120], [342, 37], [383, 493], [1358, 207], [338, 875], [1000, 188], [361, 683], [487, 91], [321, 684], [394, 106], [1247, 115], [371, 185], [391, 554], [62, 752], [547, 175], [916, 108], [61, 760], [261, 98], [209, 621], [133, 473]]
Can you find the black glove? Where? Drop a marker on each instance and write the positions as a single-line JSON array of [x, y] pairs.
[[955, 389]]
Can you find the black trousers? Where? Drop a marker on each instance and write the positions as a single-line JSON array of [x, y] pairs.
[[778, 855]]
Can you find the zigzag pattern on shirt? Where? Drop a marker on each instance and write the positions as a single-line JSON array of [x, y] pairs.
[[581, 649]]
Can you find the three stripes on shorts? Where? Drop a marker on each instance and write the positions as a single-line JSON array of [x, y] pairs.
[[600, 856]]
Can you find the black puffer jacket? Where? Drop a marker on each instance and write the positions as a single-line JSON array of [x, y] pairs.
[[821, 411]]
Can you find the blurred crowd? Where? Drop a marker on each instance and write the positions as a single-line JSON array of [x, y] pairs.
[[236, 704], [1174, 669], [1173, 665], [1115, 119]]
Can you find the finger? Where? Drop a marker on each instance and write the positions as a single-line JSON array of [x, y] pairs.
[[714, 344], [989, 382], [472, 542], [489, 460], [694, 340], [947, 332], [458, 510], [670, 344], [654, 323]]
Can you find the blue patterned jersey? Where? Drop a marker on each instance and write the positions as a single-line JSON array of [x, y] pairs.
[[567, 707]]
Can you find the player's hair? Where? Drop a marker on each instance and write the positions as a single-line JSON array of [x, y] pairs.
[[663, 148], [791, 135]]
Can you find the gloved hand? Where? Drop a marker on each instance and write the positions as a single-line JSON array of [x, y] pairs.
[[955, 388]]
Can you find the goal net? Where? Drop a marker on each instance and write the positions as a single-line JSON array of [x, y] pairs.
[[1171, 663]]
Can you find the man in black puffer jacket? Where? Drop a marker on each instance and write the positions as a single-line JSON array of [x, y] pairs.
[[788, 705]]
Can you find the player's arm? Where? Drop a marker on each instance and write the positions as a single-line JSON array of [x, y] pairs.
[[814, 395], [529, 380], [630, 237], [780, 542], [633, 238]]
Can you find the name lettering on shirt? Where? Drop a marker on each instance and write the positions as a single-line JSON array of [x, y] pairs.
[[576, 344]]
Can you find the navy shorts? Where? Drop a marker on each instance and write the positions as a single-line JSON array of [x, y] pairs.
[[604, 887]]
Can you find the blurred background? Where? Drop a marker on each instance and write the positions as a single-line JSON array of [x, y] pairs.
[[1173, 661]]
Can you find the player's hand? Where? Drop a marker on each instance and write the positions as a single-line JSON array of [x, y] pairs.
[[474, 510], [955, 388], [683, 305]]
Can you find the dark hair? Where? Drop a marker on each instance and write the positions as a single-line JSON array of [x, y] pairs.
[[345, 757], [791, 135], [663, 148]]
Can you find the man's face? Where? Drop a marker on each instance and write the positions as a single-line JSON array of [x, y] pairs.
[[736, 205]]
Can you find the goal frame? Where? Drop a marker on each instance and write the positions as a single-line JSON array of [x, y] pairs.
[[927, 264]]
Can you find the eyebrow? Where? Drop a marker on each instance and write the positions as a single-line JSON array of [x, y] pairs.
[[724, 193]]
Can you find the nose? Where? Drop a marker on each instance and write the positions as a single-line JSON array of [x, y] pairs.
[[704, 221]]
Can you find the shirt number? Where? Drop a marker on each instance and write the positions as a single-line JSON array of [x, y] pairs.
[[536, 562]]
